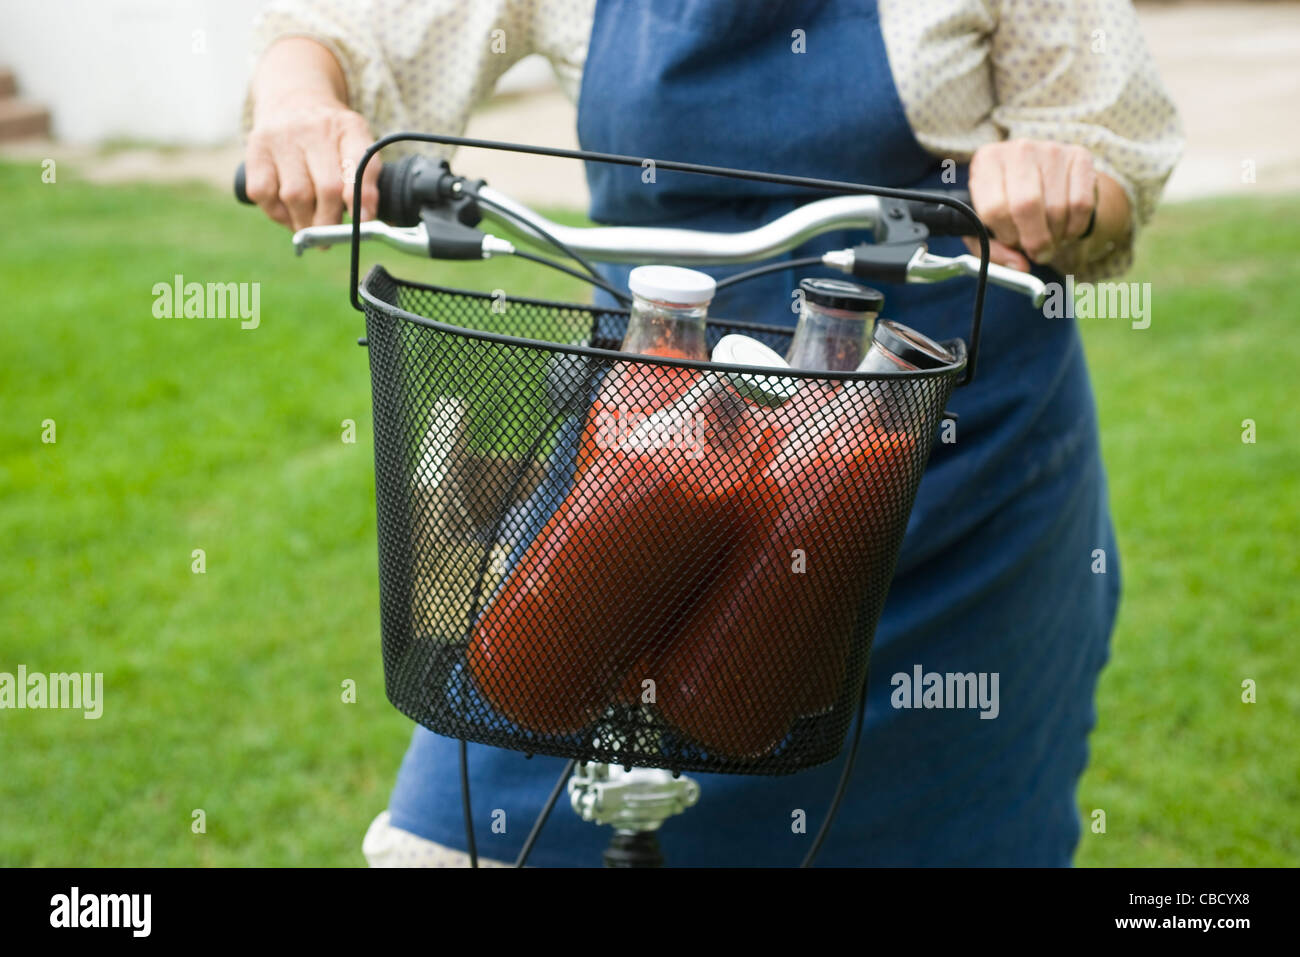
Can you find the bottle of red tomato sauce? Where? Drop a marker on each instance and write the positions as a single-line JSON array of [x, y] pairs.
[[633, 545], [770, 641]]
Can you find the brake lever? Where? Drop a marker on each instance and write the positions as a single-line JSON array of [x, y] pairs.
[[415, 240], [913, 263], [409, 239], [927, 267]]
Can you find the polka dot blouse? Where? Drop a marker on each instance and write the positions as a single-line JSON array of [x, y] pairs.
[[968, 72]]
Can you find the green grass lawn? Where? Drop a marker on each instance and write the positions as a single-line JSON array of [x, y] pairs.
[[1209, 531], [223, 690]]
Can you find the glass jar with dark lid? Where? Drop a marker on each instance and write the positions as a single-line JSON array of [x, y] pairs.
[[835, 324], [898, 348]]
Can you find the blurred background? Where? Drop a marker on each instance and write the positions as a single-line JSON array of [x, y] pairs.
[[119, 131]]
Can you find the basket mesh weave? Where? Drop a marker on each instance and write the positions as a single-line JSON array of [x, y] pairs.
[[704, 601]]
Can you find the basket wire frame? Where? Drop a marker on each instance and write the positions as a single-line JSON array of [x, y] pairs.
[[705, 602]]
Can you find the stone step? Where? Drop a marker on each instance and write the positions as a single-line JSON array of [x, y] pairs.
[[20, 120]]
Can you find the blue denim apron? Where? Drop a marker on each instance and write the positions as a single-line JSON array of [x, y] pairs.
[[998, 573]]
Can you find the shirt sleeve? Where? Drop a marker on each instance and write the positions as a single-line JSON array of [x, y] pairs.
[[1079, 71], [562, 33], [409, 64]]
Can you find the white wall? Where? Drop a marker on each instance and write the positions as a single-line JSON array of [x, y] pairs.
[[167, 71], [163, 70]]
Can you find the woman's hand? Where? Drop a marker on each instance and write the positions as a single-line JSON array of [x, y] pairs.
[[305, 142], [1037, 198]]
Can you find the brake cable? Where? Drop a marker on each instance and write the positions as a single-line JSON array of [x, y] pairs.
[[595, 277], [845, 774], [770, 268], [576, 274], [542, 818]]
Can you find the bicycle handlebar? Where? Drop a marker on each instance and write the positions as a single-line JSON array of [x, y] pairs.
[[410, 186], [688, 247], [402, 192]]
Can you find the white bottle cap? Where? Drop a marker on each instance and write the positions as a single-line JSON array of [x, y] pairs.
[[687, 287], [744, 351]]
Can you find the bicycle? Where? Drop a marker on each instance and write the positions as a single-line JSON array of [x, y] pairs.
[[452, 391]]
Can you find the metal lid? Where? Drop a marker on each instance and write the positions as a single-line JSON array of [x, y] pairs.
[[687, 287], [842, 294], [743, 351], [911, 346]]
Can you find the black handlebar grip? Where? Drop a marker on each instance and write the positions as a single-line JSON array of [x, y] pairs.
[[393, 208], [395, 205], [241, 192], [943, 220]]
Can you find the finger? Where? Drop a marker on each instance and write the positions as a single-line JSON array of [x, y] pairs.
[[1081, 193], [353, 143], [1024, 187], [1006, 256], [297, 191], [1054, 168], [988, 194], [261, 183], [999, 253], [327, 178]]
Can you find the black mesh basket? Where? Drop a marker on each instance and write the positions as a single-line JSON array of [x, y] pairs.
[[553, 582], [631, 560]]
